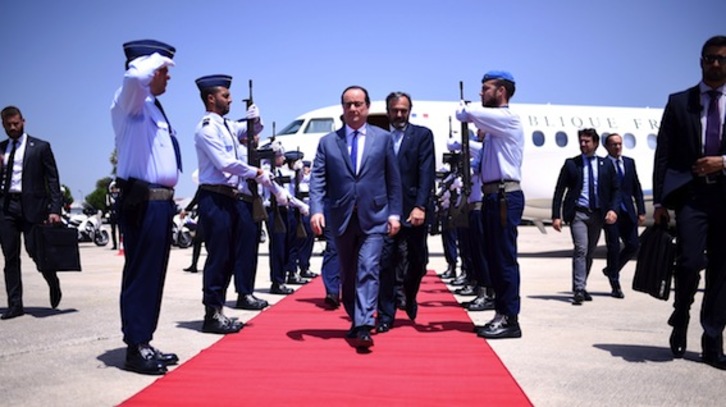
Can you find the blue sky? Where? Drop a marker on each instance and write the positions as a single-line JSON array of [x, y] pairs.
[[63, 60]]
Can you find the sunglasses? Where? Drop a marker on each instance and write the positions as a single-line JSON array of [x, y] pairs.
[[709, 59]]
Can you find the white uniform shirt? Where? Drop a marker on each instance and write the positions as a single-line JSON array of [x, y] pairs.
[[143, 140], [501, 157], [221, 158]]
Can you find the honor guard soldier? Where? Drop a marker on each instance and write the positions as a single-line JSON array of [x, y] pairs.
[[149, 163]]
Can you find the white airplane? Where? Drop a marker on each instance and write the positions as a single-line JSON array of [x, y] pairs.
[[550, 137]]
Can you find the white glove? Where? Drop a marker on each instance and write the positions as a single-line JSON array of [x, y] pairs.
[[253, 112], [300, 205], [457, 184], [453, 144], [265, 179], [461, 114], [298, 165], [282, 197]]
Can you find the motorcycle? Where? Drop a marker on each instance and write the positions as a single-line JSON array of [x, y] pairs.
[[89, 226], [182, 231]]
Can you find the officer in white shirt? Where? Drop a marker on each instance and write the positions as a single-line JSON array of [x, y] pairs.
[[149, 163], [501, 173]]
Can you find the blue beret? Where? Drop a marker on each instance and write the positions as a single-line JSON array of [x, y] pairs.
[[503, 75], [294, 155], [211, 81], [140, 48], [307, 163]]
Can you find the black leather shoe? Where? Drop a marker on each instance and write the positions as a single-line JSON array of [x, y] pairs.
[[55, 290], [466, 291], [481, 304], [191, 269], [294, 279], [142, 359], [363, 339], [586, 295], [501, 327], [449, 273], [412, 309], [250, 302], [461, 280], [332, 300], [280, 289], [578, 298], [13, 312], [217, 323], [717, 361], [616, 292], [168, 359], [678, 341], [307, 274], [383, 327]]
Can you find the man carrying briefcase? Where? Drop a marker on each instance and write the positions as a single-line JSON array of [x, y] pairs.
[[30, 196]]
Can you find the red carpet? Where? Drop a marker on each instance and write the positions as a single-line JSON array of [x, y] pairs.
[[295, 354]]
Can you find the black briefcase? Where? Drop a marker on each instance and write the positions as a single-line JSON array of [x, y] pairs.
[[656, 262], [56, 248]]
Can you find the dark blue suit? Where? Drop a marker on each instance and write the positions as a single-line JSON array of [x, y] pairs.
[[700, 214], [359, 208], [626, 228], [408, 249]]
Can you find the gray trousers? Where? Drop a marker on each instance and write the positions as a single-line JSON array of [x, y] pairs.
[[585, 230]]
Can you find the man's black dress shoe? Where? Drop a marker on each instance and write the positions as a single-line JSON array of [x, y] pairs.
[[217, 323], [383, 327], [191, 269], [168, 359], [332, 300], [714, 360], [294, 279], [449, 273], [55, 290], [578, 298], [501, 327], [360, 337], [461, 280], [142, 359], [412, 309], [280, 289], [250, 302], [307, 274], [586, 295], [616, 292], [13, 312], [678, 341], [482, 303], [466, 291]]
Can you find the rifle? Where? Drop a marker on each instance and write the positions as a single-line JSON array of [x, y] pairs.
[[300, 232], [258, 209], [462, 220]]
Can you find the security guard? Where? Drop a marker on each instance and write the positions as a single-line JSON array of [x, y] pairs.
[[221, 167], [149, 162]]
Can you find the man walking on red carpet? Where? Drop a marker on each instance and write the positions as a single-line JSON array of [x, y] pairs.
[[356, 171]]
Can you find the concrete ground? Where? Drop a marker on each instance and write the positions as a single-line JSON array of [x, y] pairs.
[[606, 352]]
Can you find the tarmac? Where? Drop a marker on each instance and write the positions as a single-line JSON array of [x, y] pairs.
[[608, 352]]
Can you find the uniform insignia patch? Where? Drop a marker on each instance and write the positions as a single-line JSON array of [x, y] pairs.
[[205, 122]]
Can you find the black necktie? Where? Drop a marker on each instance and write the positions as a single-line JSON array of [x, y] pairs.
[[8, 176], [354, 151], [177, 151], [713, 142], [591, 197]]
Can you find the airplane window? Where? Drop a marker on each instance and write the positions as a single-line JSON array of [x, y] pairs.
[[629, 140], [652, 141], [561, 138], [291, 128], [320, 126], [538, 138]]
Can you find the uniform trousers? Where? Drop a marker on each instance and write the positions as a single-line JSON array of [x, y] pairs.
[[279, 243], [146, 250], [330, 270], [448, 240], [247, 249], [500, 236], [480, 268]]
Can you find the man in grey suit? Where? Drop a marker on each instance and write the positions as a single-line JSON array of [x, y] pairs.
[[356, 172]]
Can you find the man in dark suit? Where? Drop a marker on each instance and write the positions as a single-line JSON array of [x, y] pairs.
[[591, 197], [405, 255], [626, 228], [356, 173], [30, 196], [689, 178]]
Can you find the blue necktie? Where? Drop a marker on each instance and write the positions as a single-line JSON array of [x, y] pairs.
[[397, 136], [713, 142], [591, 197], [354, 151], [621, 175], [174, 141]]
